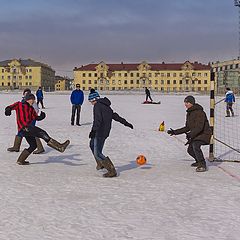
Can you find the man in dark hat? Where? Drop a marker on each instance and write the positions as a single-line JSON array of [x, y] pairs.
[[26, 114], [197, 132], [76, 98]]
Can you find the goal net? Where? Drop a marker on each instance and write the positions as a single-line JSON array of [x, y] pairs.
[[226, 134]]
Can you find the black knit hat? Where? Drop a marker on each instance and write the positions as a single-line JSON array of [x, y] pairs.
[[26, 90], [190, 99], [29, 96]]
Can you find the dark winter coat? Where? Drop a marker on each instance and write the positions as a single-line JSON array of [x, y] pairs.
[[77, 97], [103, 116], [197, 125], [39, 94], [147, 92]]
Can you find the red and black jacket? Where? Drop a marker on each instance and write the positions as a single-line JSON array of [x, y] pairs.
[[25, 114]]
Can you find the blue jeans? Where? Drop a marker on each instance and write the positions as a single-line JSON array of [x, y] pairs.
[[96, 144]]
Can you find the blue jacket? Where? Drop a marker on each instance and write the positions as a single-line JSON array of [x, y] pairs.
[[77, 97], [39, 94], [230, 97]]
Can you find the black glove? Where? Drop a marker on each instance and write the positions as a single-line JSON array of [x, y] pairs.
[[188, 136], [41, 116], [8, 111], [92, 134], [127, 124], [171, 132]]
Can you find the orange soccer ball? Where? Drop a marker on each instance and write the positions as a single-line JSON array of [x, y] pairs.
[[141, 159]]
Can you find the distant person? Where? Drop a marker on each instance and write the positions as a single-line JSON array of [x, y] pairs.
[[102, 124], [148, 94], [39, 95], [77, 98], [197, 132], [229, 100]]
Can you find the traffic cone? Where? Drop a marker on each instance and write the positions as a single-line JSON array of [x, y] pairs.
[[162, 127]]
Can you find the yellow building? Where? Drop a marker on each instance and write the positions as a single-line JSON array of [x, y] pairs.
[[62, 83], [19, 74], [165, 77]]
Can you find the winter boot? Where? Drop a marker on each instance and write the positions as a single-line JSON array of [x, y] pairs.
[[110, 167], [23, 156], [40, 148], [16, 145], [201, 167], [228, 113], [58, 146], [99, 165], [195, 164]]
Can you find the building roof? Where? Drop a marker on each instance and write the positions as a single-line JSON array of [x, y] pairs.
[[25, 63], [154, 66]]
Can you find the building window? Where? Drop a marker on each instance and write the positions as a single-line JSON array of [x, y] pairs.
[[193, 74], [137, 74], [84, 74], [89, 82], [168, 82], [14, 77], [95, 81], [137, 82], [131, 74], [119, 74], [156, 74], [150, 82], [30, 70], [205, 82], [9, 77], [162, 82], [26, 83], [162, 74], [205, 74], [150, 74], [199, 81], [2, 83], [174, 74], [107, 82], [20, 77], [95, 74], [174, 81], [192, 82], [180, 82], [26, 77], [83, 88], [231, 66], [8, 83], [30, 84], [199, 74], [236, 66], [83, 81], [2, 70], [131, 81], [199, 89], [113, 88], [125, 74], [2, 77], [89, 74], [187, 82], [180, 75], [168, 74], [156, 82], [125, 82], [205, 89], [30, 77]]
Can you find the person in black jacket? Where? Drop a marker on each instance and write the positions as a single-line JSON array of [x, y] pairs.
[[197, 132], [103, 116], [148, 95]]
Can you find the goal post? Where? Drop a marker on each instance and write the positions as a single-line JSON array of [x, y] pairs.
[[225, 140]]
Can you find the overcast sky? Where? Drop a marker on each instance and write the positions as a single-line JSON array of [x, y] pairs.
[[69, 33]]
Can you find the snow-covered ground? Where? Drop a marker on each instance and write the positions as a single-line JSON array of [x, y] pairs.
[[62, 196]]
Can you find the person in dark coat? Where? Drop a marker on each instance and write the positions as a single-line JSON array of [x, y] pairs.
[[77, 98], [102, 123], [148, 95], [39, 95], [26, 114], [197, 132]]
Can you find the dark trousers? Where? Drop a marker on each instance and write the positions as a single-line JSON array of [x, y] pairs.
[[194, 150], [76, 108], [40, 101], [96, 145], [31, 133], [229, 108], [148, 96]]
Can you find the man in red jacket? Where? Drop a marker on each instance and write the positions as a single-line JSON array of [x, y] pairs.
[[25, 114]]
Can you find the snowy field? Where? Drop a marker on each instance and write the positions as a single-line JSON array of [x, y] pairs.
[[62, 196]]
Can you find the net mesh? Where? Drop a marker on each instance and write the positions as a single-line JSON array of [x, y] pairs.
[[226, 132]]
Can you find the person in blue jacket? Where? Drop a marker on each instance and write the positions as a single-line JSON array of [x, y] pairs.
[[229, 100], [39, 95], [77, 98]]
